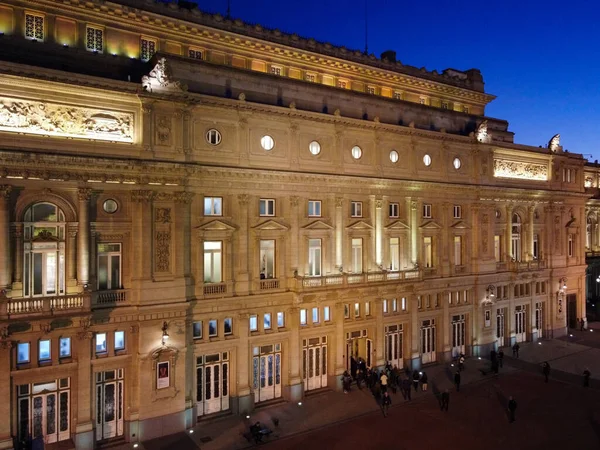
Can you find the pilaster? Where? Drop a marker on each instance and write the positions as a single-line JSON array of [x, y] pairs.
[[83, 242], [6, 345], [243, 277], [5, 261], [339, 232]]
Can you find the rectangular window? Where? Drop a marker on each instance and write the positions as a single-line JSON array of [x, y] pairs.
[[119, 340], [64, 347], [197, 330], [109, 266], [22, 352], [228, 326], [357, 310], [357, 255], [94, 39], [280, 320], [419, 302], [394, 305], [371, 90], [403, 303], [394, 210], [385, 306], [213, 206], [314, 208], [445, 105], [212, 328], [326, 314], [212, 262], [100, 342], [311, 77], [267, 259], [465, 109], [458, 251], [267, 321], [394, 254], [428, 301], [276, 70], [570, 246], [302, 317], [147, 49], [346, 311], [536, 247], [196, 54], [253, 323], [44, 353], [34, 27], [267, 207], [457, 212], [356, 209], [426, 211], [497, 248], [315, 315], [428, 251], [367, 308], [314, 257]]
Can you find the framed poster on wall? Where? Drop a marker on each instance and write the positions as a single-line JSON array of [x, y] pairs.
[[488, 320], [162, 375]]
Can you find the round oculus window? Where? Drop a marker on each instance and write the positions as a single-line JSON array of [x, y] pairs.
[[110, 206], [314, 147], [213, 136], [356, 152], [427, 160], [394, 156], [267, 142], [457, 163]]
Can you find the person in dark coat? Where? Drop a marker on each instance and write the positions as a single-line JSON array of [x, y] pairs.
[[500, 357], [386, 402], [416, 378], [457, 380], [424, 381], [546, 370], [512, 407], [515, 350], [445, 400], [406, 389], [353, 367], [586, 377], [582, 324]]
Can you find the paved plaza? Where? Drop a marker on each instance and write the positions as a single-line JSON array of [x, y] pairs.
[[560, 414]]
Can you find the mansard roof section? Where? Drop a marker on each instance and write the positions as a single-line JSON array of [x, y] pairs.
[[187, 11]]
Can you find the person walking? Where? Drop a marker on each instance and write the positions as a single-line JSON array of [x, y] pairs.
[[383, 380], [586, 377], [500, 357], [424, 382], [515, 350], [386, 402], [416, 378], [445, 400], [461, 362], [406, 391], [512, 407], [582, 324], [546, 370], [457, 380]]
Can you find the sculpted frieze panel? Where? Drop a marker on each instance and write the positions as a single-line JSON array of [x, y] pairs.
[[53, 119], [520, 169]]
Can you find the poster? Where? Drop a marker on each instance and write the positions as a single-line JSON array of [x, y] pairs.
[[488, 321], [162, 375]]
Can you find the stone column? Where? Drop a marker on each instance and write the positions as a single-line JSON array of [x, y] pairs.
[[530, 211], [447, 345], [379, 334], [414, 253], [244, 367], [18, 268], [84, 430], [295, 377], [294, 229], [132, 395], [511, 314], [339, 232], [71, 257], [474, 239], [6, 440], [340, 345], [415, 329], [242, 278], [5, 261], [508, 239], [446, 245], [378, 232], [83, 241]]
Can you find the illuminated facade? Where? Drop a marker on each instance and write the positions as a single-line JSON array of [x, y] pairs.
[[199, 216]]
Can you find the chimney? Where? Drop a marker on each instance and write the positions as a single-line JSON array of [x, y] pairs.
[[389, 56]]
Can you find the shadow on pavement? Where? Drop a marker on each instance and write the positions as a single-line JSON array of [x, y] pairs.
[[179, 441]]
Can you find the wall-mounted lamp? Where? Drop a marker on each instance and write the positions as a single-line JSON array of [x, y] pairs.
[[563, 284], [491, 291], [165, 334]]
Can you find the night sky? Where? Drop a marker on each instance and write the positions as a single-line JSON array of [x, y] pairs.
[[540, 58]]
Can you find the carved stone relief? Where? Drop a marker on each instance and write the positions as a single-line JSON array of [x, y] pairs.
[[163, 130], [163, 215], [521, 170], [161, 79], [44, 118], [163, 251]]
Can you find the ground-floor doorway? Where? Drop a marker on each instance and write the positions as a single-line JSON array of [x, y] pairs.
[[314, 363], [266, 372], [109, 404], [212, 383]]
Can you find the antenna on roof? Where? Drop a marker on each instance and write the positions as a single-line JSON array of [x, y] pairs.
[[229, 9], [366, 29]]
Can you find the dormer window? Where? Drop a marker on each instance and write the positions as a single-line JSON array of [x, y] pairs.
[[94, 39], [277, 70], [195, 53], [34, 27]]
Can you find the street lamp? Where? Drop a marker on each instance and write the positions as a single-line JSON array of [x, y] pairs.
[[165, 333], [491, 291]]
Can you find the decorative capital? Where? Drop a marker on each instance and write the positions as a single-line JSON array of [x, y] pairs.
[[46, 327], [84, 335], [294, 200], [84, 194], [134, 329], [413, 205], [183, 197], [142, 196], [378, 204], [339, 202], [5, 190], [162, 215], [243, 199]]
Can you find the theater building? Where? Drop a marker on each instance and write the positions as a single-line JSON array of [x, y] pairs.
[[200, 216]]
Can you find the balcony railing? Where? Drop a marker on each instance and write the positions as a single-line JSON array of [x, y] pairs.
[[108, 299], [523, 266], [215, 289], [41, 306], [268, 284], [347, 279]]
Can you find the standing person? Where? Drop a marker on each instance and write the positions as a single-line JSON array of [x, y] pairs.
[[500, 357], [493, 356], [424, 382], [386, 402], [445, 400], [353, 367], [512, 407], [384, 382], [582, 323], [546, 370], [406, 389], [461, 362], [416, 378], [515, 350], [457, 380], [586, 377]]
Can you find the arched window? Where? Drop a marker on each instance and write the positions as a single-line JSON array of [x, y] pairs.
[[43, 251], [516, 237]]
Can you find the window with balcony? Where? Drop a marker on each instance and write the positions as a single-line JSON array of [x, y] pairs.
[[314, 257], [94, 39], [109, 266], [357, 255], [212, 261], [266, 207], [267, 259], [394, 210], [428, 251], [314, 208], [34, 26], [394, 254], [213, 206], [147, 49], [44, 251], [516, 237], [356, 209], [458, 259]]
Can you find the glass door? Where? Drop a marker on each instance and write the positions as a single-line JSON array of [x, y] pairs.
[[520, 328], [500, 328], [109, 404], [458, 335], [315, 363], [428, 342], [266, 366], [393, 345]]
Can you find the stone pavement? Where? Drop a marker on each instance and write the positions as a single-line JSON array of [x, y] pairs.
[[322, 409]]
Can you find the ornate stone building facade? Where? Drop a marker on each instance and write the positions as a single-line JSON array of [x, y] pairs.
[[199, 216]]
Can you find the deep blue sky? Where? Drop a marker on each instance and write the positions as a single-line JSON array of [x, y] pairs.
[[540, 58]]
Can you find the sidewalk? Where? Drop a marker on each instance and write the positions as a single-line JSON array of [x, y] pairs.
[[317, 410]]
